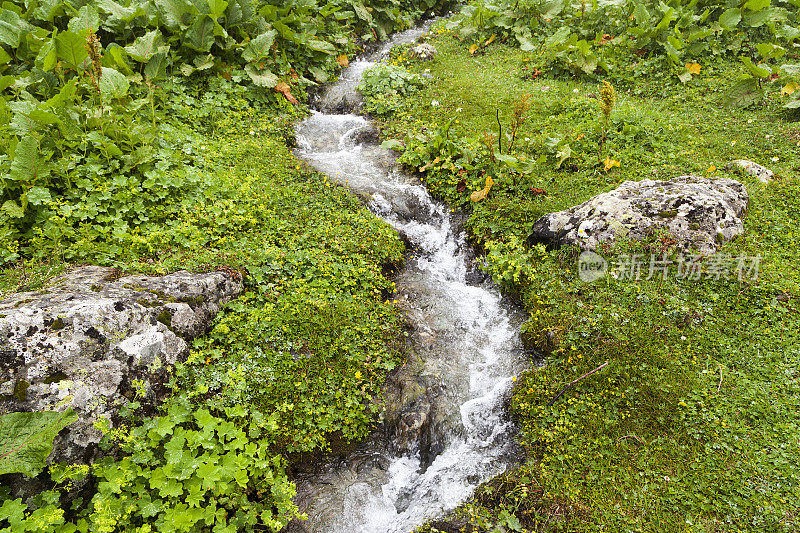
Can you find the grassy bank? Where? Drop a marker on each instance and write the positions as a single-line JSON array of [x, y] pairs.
[[692, 424], [153, 138]]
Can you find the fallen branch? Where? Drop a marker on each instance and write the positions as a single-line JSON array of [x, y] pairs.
[[586, 375], [720, 377]]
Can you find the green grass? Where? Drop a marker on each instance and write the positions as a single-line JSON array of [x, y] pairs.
[[692, 426]]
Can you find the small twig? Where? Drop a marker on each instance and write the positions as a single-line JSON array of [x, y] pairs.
[[586, 375], [720, 377], [631, 437]]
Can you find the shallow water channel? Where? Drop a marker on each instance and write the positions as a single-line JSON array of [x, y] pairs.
[[447, 430]]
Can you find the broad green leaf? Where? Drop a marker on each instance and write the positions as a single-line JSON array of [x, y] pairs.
[[70, 48], [47, 9], [319, 74], [118, 55], [176, 13], [26, 439], [144, 47], [640, 14], [730, 18], [113, 84], [21, 122], [11, 28], [201, 35], [156, 68], [87, 20], [759, 71], [259, 47], [12, 209], [119, 13], [559, 37], [744, 93], [793, 104], [204, 62], [321, 46], [38, 195], [262, 78], [551, 8], [216, 8], [770, 51], [757, 5]]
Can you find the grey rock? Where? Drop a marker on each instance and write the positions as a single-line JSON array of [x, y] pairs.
[[743, 166], [700, 213], [424, 52], [89, 342]]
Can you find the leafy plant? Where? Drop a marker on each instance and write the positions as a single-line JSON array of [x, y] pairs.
[[26, 439], [384, 86]]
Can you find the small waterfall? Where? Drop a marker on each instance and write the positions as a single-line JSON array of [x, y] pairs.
[[450, 432]]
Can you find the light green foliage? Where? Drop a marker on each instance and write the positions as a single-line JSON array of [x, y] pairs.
[[384, 87], [644, 37], [88, 152], [26, 439]]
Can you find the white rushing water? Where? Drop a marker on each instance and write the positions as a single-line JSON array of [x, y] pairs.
[[464, 337]]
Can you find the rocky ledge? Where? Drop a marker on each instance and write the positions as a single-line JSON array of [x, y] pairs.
[[700, 213], [91, 343]]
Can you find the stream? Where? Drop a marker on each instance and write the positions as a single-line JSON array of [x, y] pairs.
[[446, 429]]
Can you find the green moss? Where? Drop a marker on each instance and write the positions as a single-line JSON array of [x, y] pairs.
[[57, 324], [165, 317], [21, 390]]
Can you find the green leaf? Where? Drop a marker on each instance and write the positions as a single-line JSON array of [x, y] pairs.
[[201, 35], [26, 165], [144, 47], [758, 71], [744, 93], [730, 18], [176, 13], [757, 5], [321, 46], [156, 68], [11, 28], [551, 8], [216, 8], [38, 195], [70, 48], [118, 55], [119, 13], [12, 209], [262, 78], [26, 439], [88, 19], [259, 47], [319, 74], [113, 84]]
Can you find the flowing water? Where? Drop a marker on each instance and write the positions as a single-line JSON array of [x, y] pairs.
[[446, 430]]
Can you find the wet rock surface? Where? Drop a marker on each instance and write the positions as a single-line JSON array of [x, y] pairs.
[[91, 342], [700, 213]]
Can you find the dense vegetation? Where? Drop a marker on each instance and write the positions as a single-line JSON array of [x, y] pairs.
[[691, 426], [154, 136]]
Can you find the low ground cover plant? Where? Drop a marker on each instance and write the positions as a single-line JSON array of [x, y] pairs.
[[689, 425]]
